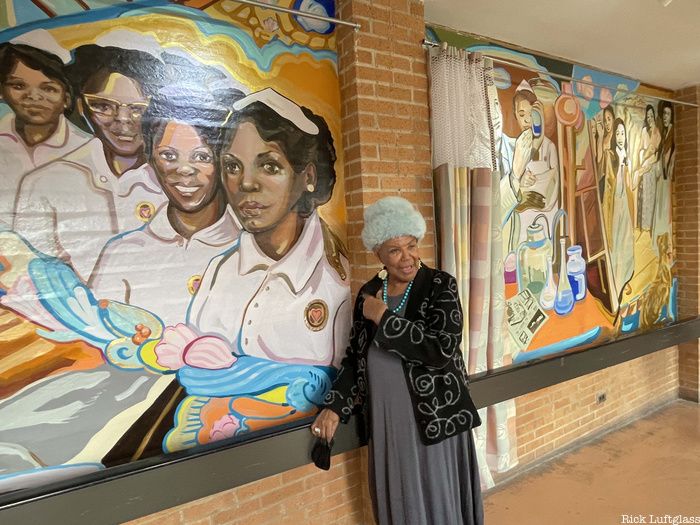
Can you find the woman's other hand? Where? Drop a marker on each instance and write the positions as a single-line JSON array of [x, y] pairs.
[[373, 308], [325, 424]]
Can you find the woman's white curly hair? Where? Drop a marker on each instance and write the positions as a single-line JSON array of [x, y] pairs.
[[389, 218]]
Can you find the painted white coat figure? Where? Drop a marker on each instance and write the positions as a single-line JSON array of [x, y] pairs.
[[294, 310], [72, 207], [283, 292], [38, 93]]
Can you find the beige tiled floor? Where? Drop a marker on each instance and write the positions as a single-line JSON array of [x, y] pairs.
[[644, 471]]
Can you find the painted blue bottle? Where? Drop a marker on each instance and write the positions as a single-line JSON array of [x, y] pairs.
[[576, 271], [564, 301]]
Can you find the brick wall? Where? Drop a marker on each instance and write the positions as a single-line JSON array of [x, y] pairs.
[[387, 152], [386, 127], [686, 215], [555, 417], [300, 496]]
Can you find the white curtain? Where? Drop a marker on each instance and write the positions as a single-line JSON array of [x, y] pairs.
[[468, 205]]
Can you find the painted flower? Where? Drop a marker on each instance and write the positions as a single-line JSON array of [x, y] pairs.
[[224, 427], [209, 352], [170, 351]]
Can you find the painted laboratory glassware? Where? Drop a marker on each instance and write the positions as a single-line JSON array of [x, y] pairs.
[[564, 301], [576, 271], [533, 258]]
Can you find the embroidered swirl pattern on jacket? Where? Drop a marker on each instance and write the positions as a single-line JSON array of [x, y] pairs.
[[427, 340]]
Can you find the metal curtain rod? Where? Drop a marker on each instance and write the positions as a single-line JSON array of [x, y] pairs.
[[571, 79], [297, 12]]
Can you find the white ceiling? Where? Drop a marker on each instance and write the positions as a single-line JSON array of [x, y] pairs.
[[637, 38]]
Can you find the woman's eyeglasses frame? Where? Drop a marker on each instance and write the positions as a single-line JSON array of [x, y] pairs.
[[136, 109]]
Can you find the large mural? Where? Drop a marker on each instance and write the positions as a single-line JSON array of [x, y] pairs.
[[586, 169], [172, 270]]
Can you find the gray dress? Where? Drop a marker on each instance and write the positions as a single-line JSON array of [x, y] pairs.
[[411, 483]]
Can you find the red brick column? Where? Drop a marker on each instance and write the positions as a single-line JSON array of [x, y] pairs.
[[686, 218], [385, 117]]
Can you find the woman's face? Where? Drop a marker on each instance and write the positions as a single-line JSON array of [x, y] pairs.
[[523, 114], [400, 256], [620, 136], [35, 98], [185, 167], [650, 118], [666, 116], [115, 107], [260, 183], [608, 121]]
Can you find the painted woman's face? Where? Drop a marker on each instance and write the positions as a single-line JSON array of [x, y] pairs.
[[650, 117], [523, 114], [35, 98], [185, 167], [620, 136], [608, 121], [666, 116], [115, 110], [260, 183]]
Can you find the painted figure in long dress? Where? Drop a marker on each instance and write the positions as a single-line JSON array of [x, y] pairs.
[[39, 94], [649, 170], [70, 208], [617, 209], [662, 221]]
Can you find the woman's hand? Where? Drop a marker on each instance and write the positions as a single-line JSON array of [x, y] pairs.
[[522, 153], [373, 309], [325, 424]]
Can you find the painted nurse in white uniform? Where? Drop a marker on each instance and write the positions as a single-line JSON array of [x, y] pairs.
[[284, 293], [35, 132], [71, 208], [272, 316], [181, 133]]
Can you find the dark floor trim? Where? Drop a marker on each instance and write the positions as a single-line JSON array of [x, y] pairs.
[[147, 486]]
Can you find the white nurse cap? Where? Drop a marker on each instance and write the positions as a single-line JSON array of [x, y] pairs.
[[525, 86], [42, 39], [281, 105]]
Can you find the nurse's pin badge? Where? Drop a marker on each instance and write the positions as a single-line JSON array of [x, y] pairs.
[[316, 315], [145, 211], [193, 284]]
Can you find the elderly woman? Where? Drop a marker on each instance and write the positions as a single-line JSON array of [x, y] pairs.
[[404, 370]]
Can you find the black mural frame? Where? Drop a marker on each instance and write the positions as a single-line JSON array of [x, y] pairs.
[[126, 492]]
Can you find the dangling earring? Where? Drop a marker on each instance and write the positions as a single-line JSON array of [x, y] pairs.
[[310, 187], [420, 264], [383, 274]]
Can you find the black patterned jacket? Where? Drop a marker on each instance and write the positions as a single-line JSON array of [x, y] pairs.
[[427, 340]]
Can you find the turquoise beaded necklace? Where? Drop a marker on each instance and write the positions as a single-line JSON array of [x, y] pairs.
[[385, 295]]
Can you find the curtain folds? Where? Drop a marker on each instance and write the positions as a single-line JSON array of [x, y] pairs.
[[468, 210]]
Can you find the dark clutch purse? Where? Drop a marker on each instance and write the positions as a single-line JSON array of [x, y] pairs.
[[321, 453]]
